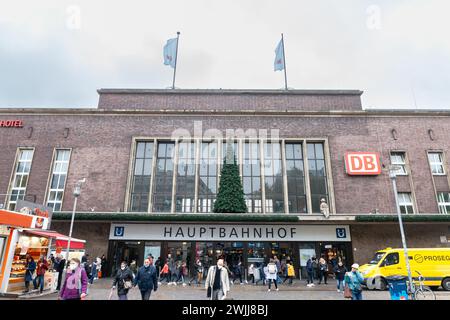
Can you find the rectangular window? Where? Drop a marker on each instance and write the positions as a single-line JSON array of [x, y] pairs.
[[273, 178], [162, 195], [235, 150], [444, 202], [20, 180], [140, 185], [317, 175], [398, 160], [405, 202], [436, 163], [185, 195], [295, 178], [251, 177], [58, 179], [207, 189]]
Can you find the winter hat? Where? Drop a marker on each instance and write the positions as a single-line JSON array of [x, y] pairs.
[[355, 265]]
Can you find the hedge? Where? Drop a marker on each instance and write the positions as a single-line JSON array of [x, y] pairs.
[[225, 217], [405, 218]]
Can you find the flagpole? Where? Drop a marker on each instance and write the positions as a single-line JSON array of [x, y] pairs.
[[284, 61], [176, 56]]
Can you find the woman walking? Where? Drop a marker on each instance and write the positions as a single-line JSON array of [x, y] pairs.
[[76, 282], [340, 271], [30, 267], [42, 267], [272, 273], [123, 280], [323, 269]]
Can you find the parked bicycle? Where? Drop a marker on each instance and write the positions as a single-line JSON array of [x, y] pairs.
[[420, 291]]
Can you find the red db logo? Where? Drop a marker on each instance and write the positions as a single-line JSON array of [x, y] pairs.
[[362, 163]]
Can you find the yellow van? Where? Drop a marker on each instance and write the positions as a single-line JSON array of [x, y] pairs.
[[433, 264]]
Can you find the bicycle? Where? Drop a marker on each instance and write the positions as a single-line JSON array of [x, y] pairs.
[[420, 291]]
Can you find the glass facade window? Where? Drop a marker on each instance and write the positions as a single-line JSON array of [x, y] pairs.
[[185, 194], [207, 188], [295, 178], [58, 179], [20, 179], [235, 148], [405, 202], [398, 159], [317, 175], [273, 178], [436, 160], [251, 177], [162, 193], [444, 202], [140, 185]]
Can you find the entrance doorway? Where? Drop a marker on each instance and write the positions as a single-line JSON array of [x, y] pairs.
[[232, 252]]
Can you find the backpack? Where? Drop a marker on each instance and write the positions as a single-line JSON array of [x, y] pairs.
[[272, 268]]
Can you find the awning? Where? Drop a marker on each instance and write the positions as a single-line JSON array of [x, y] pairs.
[[61, 240]]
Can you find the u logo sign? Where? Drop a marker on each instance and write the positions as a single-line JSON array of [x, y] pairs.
[[119, 231]]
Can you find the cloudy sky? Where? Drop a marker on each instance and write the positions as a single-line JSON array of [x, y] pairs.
[[57, 53]]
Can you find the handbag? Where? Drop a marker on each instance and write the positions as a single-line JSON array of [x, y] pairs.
[[208, 293], [127, 284], [347, 292]]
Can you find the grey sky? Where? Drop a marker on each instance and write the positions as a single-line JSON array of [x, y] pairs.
[[52, 57]]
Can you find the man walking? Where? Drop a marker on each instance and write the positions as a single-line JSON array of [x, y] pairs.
[[59, 265], [217, 279], [310, 271], [147, 279]]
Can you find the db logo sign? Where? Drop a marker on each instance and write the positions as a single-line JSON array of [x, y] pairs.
[[362, 163]]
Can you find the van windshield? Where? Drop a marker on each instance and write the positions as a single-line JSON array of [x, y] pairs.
[[378, 256]]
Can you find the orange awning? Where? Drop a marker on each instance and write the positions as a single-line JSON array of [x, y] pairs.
[[15, 219]]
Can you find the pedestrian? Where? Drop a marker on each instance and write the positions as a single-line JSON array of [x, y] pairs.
[[237, 272], [30, 268], [278, 264], [165, 272], [251, 273], [310, 272], [85, 258], [146, 279], [103, 268], [133, 267], [340, 271], [93, 271], [158, 265], [354, 280], [59, 266], [315, 268], [76, 282], [181, 271], [198, 273], [272, 274], [284, 270], [123, 280], [323, 270], [217, 281], [172, 269], [290, 272], [42, 267]]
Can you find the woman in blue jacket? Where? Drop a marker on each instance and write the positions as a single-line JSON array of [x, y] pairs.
[[30, 267]]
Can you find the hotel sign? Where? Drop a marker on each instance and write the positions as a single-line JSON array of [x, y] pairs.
[[225, 232], [11, 123], [362, 163]]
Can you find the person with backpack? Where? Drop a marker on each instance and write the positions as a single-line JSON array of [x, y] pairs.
[[339, 271], [323, 270], [30, 267], [354, 281], [76, 282], [146, 279], [123, 280], [272, 274]]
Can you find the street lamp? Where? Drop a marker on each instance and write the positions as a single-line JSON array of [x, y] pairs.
[[76, 194], [393, 176]]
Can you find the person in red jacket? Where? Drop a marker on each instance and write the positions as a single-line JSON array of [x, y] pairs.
[[42, 267]]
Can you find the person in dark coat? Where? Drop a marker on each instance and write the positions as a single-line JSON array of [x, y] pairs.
[[146, 279], [124, 274], [30, 267], [103, 267], [237, 273], [58, 265], [340, 271], [310, 271]]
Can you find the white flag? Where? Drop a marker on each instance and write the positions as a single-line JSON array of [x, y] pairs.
[[170, 52], [279, 57]]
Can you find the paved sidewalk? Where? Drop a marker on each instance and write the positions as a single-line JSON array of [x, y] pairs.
[[101, 289]]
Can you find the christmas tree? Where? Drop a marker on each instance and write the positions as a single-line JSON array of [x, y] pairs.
[[230, 198]]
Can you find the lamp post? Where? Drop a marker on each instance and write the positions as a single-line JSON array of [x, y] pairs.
[[76, 194], [393, 176]]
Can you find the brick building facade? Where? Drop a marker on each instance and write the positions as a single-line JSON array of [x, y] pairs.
[[102, 145]]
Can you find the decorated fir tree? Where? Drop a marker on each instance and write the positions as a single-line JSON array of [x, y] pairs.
[[230, 198]]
